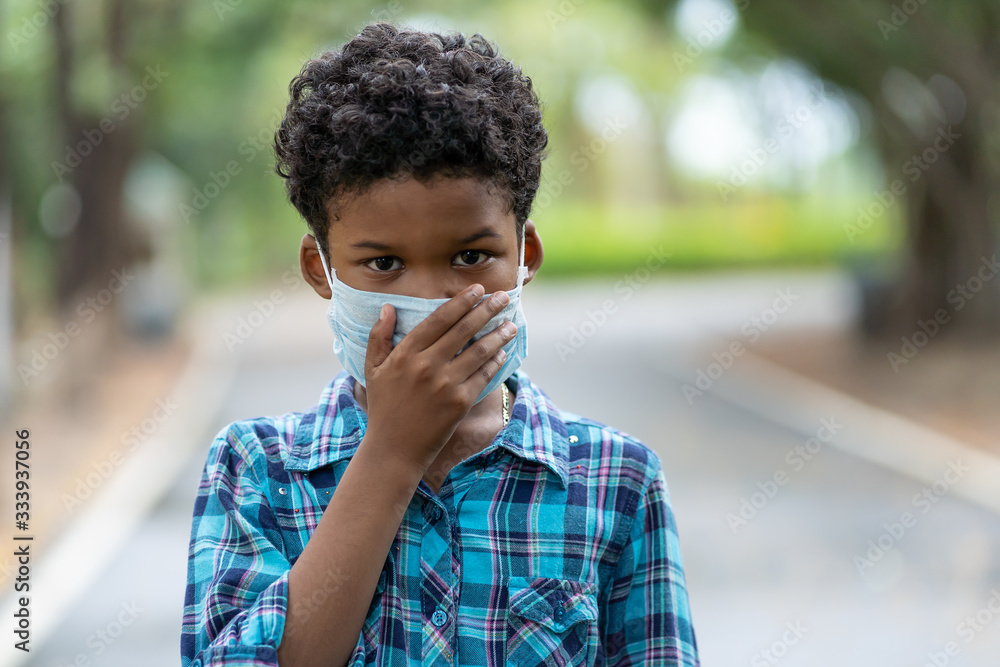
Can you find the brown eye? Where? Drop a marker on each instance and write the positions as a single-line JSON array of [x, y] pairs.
[[470, 257], [384, 263]]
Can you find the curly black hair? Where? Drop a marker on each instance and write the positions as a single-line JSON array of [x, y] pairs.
[[393, 103]]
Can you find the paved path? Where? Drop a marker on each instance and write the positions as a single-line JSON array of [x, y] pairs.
[[787, 582]]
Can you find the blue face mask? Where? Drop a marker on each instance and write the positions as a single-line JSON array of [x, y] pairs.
[[352, 314]]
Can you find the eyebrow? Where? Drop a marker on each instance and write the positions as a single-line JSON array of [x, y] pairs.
[[375, 245]]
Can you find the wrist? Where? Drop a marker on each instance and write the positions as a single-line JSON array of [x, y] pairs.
[[392, 464]]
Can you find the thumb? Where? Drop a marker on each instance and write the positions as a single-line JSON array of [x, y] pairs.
[[380, 338]]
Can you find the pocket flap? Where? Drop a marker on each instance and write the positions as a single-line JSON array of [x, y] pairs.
[[557, 604]]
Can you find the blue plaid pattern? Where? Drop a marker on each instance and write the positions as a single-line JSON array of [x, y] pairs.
[[556, 545]]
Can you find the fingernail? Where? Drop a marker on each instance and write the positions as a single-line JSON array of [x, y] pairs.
[[476, 293], [501, 298], [381, 313], [501, 355], [508, 330]]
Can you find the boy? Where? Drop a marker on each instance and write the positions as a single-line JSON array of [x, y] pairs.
[[435, 507]]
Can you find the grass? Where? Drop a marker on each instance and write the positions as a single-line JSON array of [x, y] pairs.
[[581, 238]]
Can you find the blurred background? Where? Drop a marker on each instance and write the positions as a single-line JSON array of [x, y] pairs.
[[770, 223]]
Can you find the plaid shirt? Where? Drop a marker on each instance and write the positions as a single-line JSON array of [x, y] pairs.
[[556, 545]]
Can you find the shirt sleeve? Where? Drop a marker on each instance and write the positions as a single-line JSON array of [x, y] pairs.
[[236, 597], [648, 620]]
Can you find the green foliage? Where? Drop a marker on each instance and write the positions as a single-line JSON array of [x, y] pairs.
[[581, 238], [230, 63]]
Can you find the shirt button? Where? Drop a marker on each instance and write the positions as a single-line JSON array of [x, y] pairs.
[[560, 612], [439, 618]]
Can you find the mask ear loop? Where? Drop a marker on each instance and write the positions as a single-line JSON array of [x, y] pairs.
[[326, 270], [522, 270]]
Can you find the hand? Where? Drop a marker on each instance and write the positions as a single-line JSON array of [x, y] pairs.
[[420, 390]]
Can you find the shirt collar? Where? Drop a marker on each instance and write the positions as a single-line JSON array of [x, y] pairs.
[[332, 430]]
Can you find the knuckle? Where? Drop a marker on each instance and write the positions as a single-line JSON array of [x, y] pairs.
[[423, 369], [489, 369], [467, 328], [459, 401], [441, 388], [452, 398], [482, 348]]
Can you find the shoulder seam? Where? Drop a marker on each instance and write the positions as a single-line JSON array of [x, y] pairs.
[[235, 439]]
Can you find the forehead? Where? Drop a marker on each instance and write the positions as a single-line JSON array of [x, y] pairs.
[[439, 207]]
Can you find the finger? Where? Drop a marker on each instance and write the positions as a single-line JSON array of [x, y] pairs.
[[459, 335], [483, 350], [427, 332], [380, 338], [482, 375]]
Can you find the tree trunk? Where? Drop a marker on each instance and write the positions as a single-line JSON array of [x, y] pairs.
[[949, 273], [101, 241]]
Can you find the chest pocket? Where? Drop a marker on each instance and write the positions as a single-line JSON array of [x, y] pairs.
[[551, 622]]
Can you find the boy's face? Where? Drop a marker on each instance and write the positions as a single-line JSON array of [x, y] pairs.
[[424, 239]]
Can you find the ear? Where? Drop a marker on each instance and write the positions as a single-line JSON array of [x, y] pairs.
[[533, 252], [312, 266]]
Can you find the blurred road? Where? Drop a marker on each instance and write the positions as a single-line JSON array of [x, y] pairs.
[[777, 584]]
